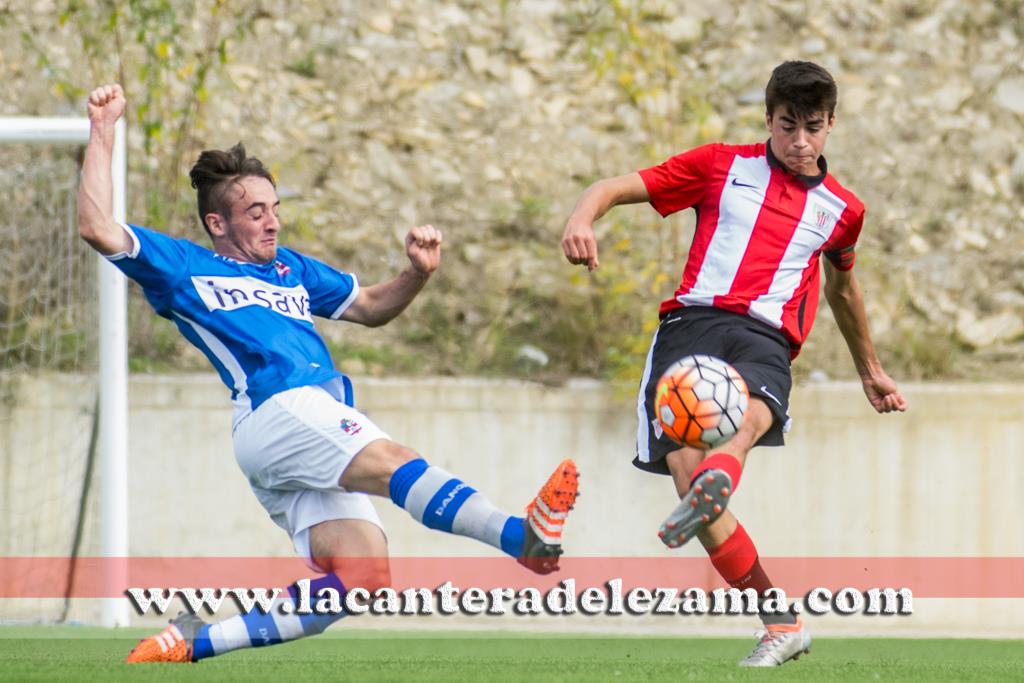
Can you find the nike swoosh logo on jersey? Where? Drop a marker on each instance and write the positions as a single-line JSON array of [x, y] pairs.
[[737, 183], [764, 390]]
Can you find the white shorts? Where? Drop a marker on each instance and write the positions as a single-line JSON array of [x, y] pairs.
[[293, 449]]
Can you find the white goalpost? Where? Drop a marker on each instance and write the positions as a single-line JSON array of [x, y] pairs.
[[113, 358]]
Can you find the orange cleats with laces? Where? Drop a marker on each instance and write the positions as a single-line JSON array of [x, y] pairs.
[[173, 644], [545, 517]]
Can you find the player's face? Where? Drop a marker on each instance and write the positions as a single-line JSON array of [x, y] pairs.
[[798, 141], [249, 233]]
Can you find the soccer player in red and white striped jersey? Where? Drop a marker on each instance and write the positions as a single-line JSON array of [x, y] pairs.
[[766, 212]]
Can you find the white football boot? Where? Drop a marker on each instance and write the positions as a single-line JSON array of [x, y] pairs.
[[778, 644]]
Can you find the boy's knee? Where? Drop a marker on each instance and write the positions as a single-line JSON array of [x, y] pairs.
[[368, 573], [376, 579], [371, 469], [396, 455]]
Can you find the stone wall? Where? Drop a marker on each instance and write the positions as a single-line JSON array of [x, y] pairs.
[[489, 118]]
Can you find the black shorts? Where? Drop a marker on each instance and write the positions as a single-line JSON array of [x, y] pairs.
[[758, 352]]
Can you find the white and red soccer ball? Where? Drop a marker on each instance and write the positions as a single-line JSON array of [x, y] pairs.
[[700, 401]]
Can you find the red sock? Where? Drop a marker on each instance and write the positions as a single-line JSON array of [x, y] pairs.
[[737, 561], [720, 461]]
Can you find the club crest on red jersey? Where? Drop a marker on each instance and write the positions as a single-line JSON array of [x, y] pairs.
[[824, 219]]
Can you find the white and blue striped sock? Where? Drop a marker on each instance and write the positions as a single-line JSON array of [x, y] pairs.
[[441, 501], [256, 629]]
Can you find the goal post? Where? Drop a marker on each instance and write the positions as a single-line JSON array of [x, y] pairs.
[[113, 355]]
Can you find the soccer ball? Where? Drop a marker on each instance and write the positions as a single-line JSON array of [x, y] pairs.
[[700, 401]]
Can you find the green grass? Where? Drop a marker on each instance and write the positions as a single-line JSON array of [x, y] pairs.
[[88, 654]]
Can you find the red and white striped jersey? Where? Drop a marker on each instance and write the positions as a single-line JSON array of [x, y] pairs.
[[759, 232]]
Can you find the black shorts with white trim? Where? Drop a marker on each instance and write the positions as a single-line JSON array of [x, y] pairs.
[[760, 354]]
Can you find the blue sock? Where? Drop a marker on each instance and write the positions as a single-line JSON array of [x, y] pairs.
[[440, 501], [256, 629]]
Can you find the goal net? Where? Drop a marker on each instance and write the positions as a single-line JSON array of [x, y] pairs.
[[48, 372]]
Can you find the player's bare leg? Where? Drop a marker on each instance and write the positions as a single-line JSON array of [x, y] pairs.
[[705, 500], [354, 549], [371, 469]]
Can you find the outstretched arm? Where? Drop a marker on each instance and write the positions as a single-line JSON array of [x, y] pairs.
[[578, 240], [844, 296], [381, 303], [96, 223]]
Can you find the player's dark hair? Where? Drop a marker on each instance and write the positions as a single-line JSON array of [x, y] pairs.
[[802, 89], [215, 171]]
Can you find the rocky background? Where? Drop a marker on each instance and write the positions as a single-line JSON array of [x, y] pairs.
[[489, 118]]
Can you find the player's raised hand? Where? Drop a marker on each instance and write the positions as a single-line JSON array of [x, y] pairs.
[[580, 244], [423, 247], [106, 104], [883, 394]]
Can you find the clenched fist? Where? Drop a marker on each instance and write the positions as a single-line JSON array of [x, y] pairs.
[[423, 247], [106, 104]]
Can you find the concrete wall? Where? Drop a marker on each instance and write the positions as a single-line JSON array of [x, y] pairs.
[[940, 480]]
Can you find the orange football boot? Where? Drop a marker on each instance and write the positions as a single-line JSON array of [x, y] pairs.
[[173, 644], [545, 517]]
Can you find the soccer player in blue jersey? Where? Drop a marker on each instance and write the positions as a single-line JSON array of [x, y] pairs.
[[310, 457]]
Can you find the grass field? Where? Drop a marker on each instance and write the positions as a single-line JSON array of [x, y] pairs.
[[90, 654]]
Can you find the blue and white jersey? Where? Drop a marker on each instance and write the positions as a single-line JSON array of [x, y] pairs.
[[254, 322]]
